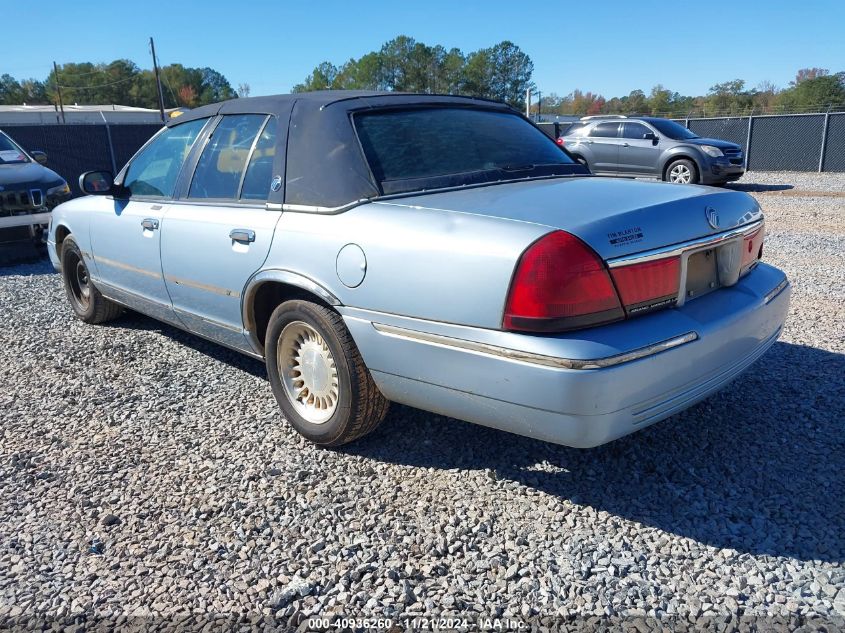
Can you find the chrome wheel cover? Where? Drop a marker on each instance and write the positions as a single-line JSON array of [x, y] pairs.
[[308, 372], [680, 174]]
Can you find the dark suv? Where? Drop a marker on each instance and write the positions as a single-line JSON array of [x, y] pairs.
[[647, 146], [28, 192]]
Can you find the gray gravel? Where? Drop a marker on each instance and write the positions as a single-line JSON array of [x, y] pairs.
[[146, 472]]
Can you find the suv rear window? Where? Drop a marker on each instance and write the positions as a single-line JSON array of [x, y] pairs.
[[447, 146], [576, 129]]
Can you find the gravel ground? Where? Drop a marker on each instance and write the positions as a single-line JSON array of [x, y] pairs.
[[146, 472]]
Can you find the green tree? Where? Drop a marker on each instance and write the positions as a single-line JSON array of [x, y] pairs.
[[403, 64], [10, 91], [729, 97], [511, 73], [451, 69], [321, 78], [396, 62], [34, 92], [362, 74], [477, 74], [635, 103], [214, 87], [660, 100], [818, 93]]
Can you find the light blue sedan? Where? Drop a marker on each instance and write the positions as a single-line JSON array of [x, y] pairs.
[[440, 252]]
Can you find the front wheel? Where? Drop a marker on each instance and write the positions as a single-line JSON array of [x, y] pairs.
[[682, 172], [84, 298], [318, 376]]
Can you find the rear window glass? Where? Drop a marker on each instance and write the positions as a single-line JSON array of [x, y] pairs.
[[576, 129], [422, 143], [605, 130]]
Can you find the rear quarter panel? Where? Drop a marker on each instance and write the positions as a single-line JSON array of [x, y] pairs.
[[426, 263]]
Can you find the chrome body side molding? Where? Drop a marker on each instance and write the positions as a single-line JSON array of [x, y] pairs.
[[537, 359]]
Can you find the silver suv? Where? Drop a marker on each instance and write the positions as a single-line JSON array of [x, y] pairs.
[[647, 146]]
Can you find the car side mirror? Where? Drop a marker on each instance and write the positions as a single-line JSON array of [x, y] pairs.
[[651, 136], [39, 156], [97, 183]]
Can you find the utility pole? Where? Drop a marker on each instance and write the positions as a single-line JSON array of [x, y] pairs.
[[59, 90], [528, 103], [158, 81]]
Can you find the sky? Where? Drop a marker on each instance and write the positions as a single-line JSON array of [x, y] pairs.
[[610, 48]]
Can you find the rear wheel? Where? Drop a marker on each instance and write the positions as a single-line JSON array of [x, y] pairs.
[[682, 172], [83, 296], [318, 376]]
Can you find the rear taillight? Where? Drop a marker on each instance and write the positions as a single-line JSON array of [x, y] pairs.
[[560, 141], [560, 284], [648, 285], [752, 247]]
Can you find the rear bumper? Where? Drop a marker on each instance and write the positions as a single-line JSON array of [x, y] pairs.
[[577, 407]]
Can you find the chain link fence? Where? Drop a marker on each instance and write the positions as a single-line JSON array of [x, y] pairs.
[[76, 148], [775, 142], [733, 130], [790, 142]]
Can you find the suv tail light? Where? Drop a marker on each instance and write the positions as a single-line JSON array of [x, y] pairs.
[[560, 141], [648, 285], [560, 284]]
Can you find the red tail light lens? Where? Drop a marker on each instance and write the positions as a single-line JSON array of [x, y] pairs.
[[752, 247], [560, 284], [560, 141], [648, 285]]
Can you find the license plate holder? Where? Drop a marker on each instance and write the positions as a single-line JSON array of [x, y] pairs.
[[702, 274]]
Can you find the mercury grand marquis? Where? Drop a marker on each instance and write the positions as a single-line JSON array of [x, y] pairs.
[[440, 252]]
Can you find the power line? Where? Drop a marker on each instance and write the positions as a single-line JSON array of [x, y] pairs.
[[95, 86], [93, 72]]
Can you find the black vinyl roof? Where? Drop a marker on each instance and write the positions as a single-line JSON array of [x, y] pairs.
[[322, 164]]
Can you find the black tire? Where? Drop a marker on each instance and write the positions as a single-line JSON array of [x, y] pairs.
[[360, 407], [85, 300], [682, 163]]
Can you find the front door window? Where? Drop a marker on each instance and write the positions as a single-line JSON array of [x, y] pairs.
[[153, 172]]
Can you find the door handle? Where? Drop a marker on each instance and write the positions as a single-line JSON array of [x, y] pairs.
[[149, 224], [626, 145], [242, 235]]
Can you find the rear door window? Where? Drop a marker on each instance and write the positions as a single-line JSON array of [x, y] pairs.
[[259, 171], [223, 161], [605, 130]]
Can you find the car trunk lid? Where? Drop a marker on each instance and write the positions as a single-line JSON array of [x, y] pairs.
[[615, 217]]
